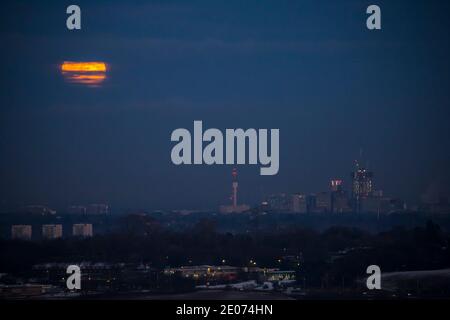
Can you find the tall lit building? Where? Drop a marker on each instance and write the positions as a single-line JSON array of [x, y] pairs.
[[362, 186], [361, 182], [51, 231], [82, 230], [21, 231]]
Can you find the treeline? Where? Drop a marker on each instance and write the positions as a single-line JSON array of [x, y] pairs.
[[334, 254]]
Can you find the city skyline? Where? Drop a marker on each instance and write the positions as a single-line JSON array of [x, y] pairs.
[[360, 184]]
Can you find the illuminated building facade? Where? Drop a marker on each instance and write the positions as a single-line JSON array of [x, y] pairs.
[[361, 183], [21, 232], [82, 230], [51, 231]]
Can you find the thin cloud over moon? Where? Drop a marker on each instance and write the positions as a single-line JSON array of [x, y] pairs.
[[91, 73]]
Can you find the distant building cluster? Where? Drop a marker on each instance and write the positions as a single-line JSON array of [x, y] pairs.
[[56, 231], [362, 198], [51, 231], [210, 274], [38, 210], [92, 209]]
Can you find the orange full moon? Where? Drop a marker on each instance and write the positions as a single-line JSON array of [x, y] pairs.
[[91, 73]]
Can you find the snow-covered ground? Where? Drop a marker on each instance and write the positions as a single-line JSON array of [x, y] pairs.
[[250, 285], [246, 285]]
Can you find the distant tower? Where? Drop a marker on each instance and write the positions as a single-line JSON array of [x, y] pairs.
[[234, 207], [235, 188]]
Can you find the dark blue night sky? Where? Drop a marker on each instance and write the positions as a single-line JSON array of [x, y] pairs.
[[309, 68]]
